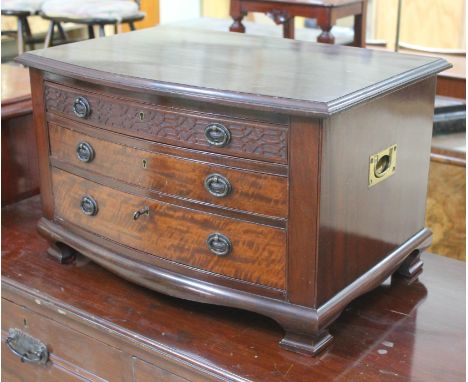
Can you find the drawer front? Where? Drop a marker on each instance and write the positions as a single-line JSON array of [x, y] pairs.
[[188, 179], [227, 135], [234, 248], [146, 372], [73, 356]]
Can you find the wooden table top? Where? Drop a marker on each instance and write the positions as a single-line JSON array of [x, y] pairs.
[[16, 91], [395, 333], [236, 69]]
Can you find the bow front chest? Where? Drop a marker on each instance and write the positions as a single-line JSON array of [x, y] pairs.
[[277, 176]]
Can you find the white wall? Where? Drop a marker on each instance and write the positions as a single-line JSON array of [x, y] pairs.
[[177, 10]]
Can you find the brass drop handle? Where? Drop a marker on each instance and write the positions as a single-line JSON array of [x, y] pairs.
[[143, 211], [26, 347], [219, 244], [85, 152], [81, 107], [217, 185], [89, 205], [217, 135]]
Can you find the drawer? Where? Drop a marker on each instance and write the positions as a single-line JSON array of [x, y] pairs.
[[184, 178], [73, 356], [230, 247], [221, 134], [147, 372]]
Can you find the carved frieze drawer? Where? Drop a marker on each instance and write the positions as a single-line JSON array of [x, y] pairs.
[[184, 178], [206, 132], [233, 248]]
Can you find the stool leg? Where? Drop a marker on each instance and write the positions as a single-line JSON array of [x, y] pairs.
[[131, 25], [237, 15], [63, 36], [20, 35], [90, 31], [49, 35], [28, 34], [288, 28], [102, 33]]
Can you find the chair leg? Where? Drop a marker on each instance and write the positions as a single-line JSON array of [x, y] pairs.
[[102, 32], [28, 34], [131, 24], [20, 35], [62, 33], [49, 35], [91, 31]]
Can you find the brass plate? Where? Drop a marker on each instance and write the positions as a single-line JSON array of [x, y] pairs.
[[382, 165]]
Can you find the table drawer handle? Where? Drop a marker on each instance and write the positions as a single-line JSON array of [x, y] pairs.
[[26, 347], [89, 205], [217, 135], [81, 107], [219, 244], [85, 152], [217, 185]]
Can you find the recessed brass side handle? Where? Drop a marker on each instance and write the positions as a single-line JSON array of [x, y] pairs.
[[382, 165], [26, 347]]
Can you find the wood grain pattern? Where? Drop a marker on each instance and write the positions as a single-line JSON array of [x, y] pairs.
[[147, 372], [211, 67], [255, 140], [175, 233], [253, 192], [420, 326], [446, 209], [67, 358], [359, 225]]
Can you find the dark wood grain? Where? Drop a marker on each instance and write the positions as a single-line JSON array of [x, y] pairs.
[[42, 140], [267, 142], [414, 332], [258, 253], [355, 220], [198, 64], [258, 193]]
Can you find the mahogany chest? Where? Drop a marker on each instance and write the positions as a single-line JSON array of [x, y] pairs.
[[276, 176]]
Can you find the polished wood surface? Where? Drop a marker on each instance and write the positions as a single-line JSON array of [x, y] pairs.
[[355, 218], [209, 66], [325, 12], [397, 332], [252, 192], [20, 174], [300, 268], [177, 127], [178, 234]]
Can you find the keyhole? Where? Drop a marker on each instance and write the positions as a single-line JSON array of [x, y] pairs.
[[141, 115], [145, 163]]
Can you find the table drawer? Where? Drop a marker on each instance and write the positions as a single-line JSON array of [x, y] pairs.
[[184, 178], [221, 134], [234, 248], [73, 356]]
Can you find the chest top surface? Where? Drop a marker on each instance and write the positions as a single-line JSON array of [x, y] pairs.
[[228, 68]]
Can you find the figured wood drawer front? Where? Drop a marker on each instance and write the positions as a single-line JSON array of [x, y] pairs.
[[188, 179], [257, 253], [147, 372], [182, 128], [73, 356]]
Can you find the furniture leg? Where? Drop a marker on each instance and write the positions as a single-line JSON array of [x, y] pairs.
[[411, 268], [288, 28], [102, 32], [131, 24], [309, 344], [28, 34], [63, 36], [49, 35], [90, 32], [116, 28], [360, 27], [62, 253], [237, 15], [20, 35], [325, 23]]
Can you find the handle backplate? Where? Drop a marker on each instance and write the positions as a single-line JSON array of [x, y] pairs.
[[81, 107], [382, 165], [217, 135], [219, 244], [217, 185]]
